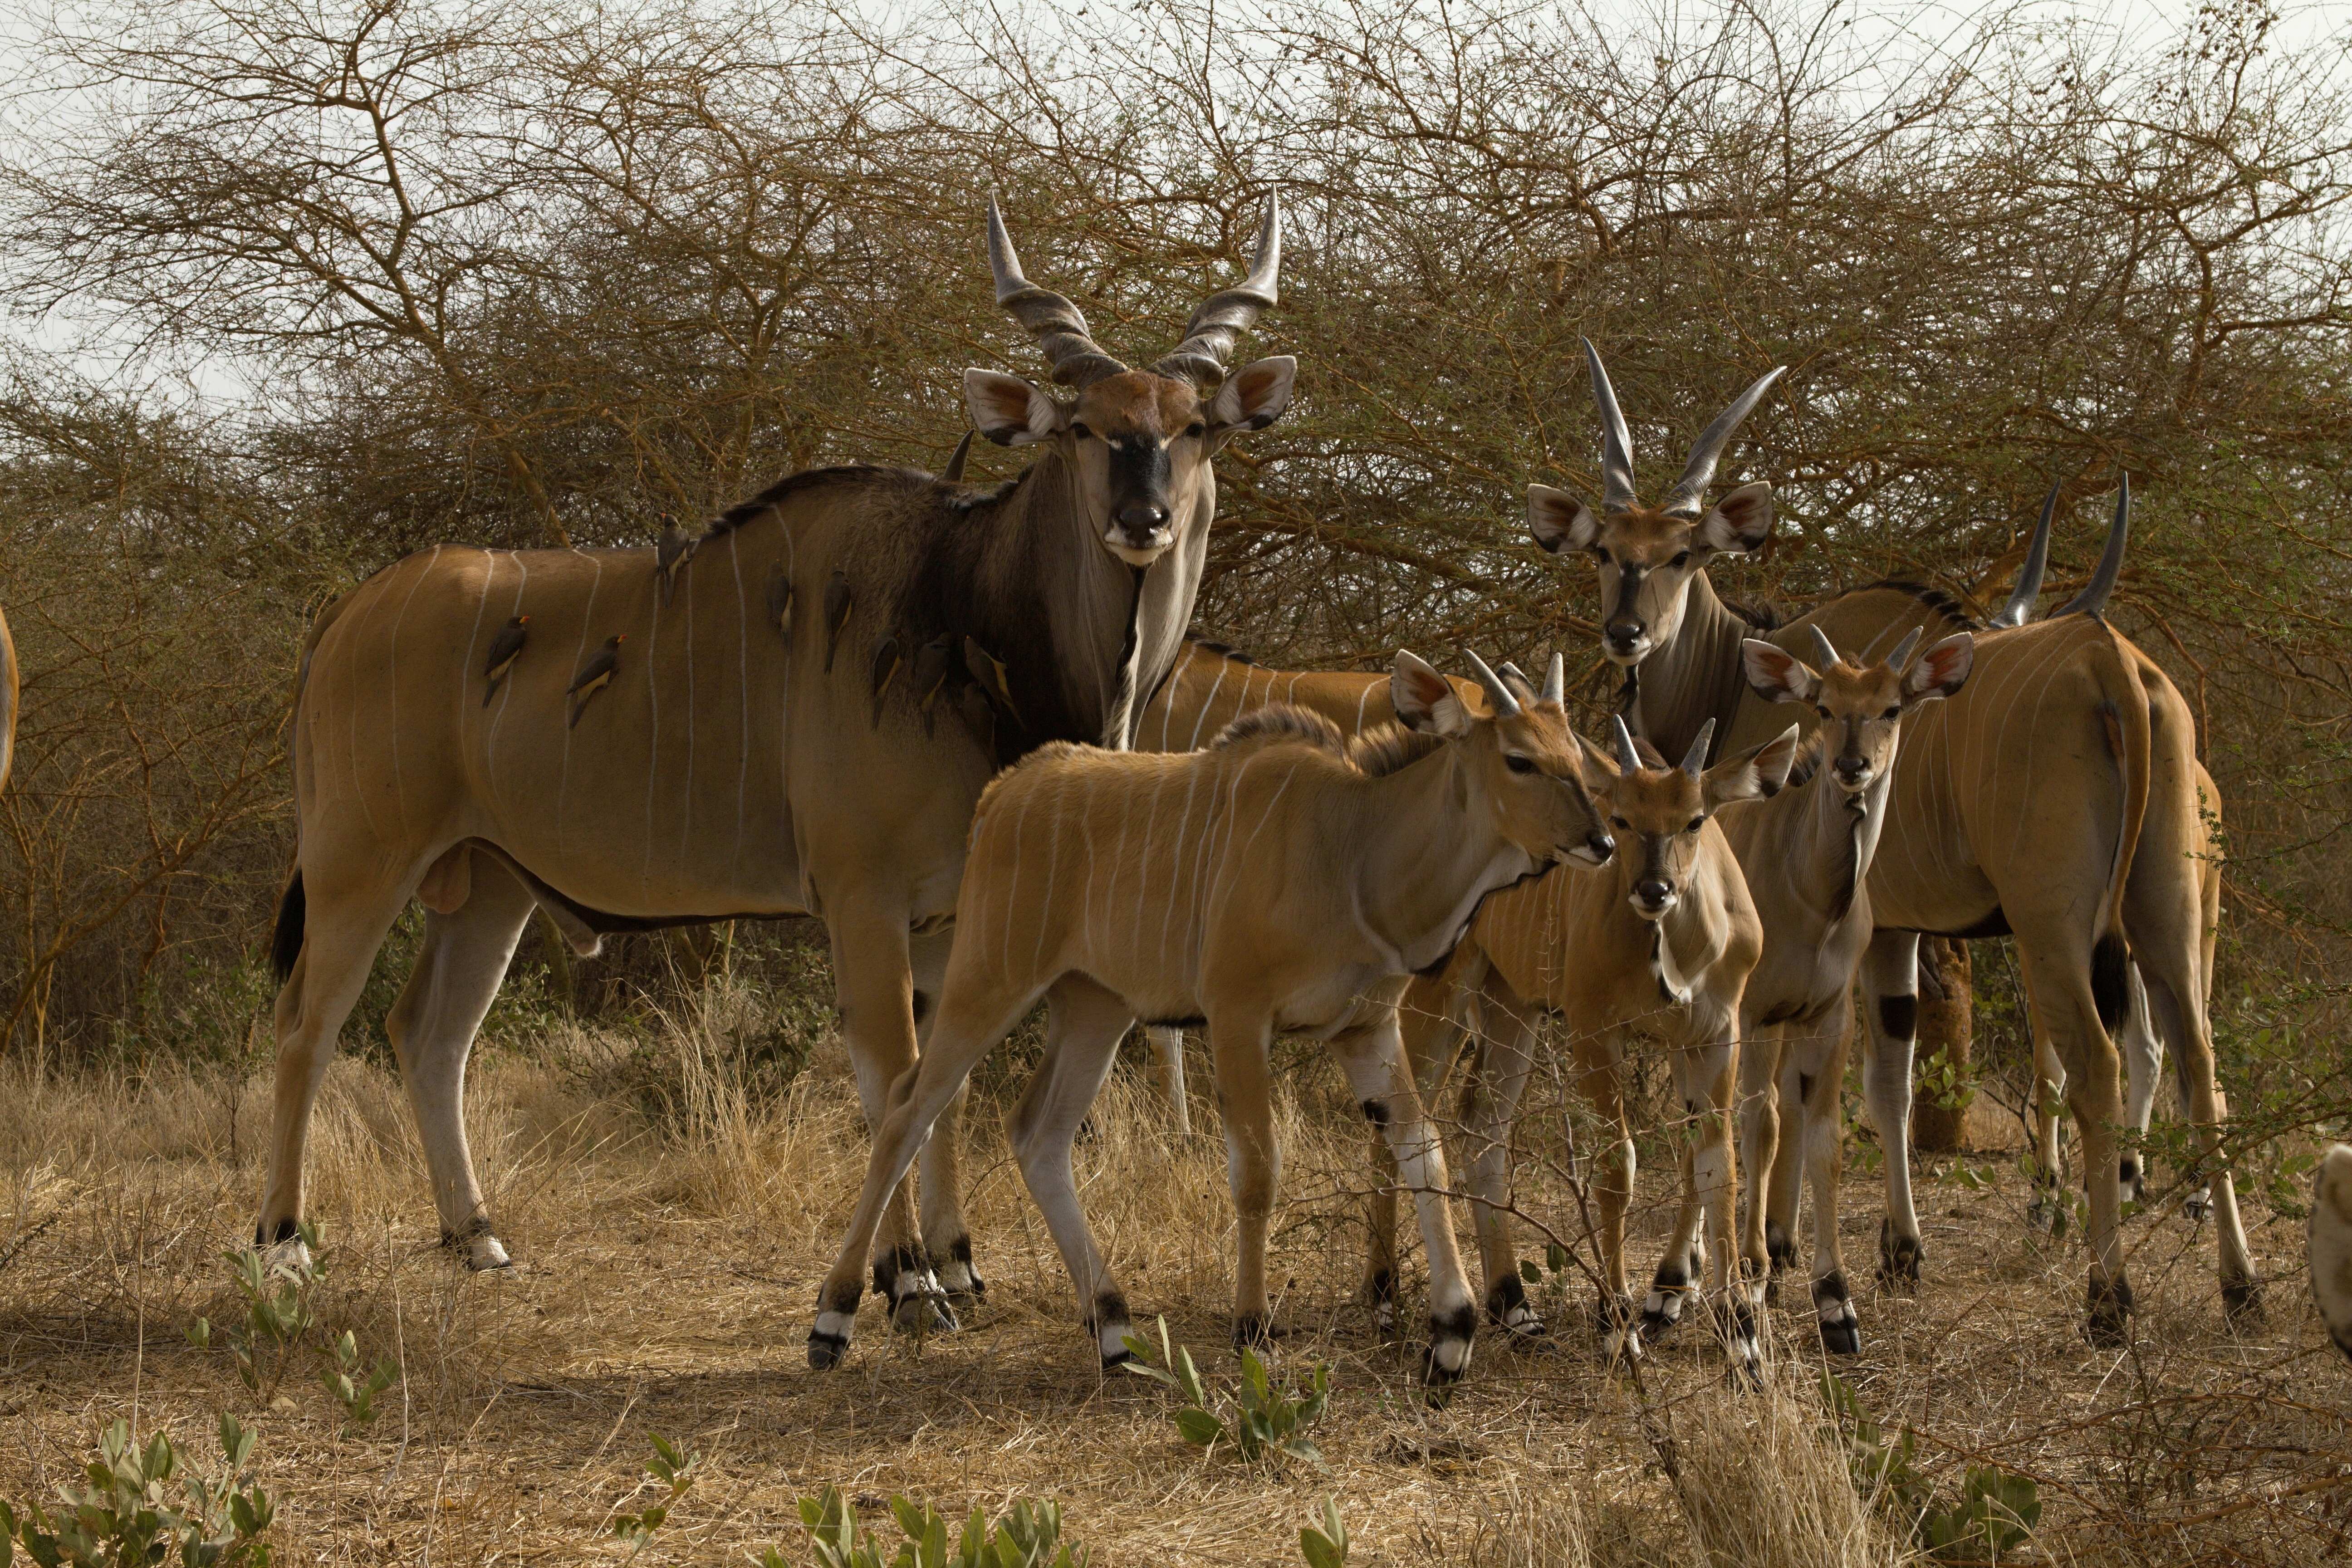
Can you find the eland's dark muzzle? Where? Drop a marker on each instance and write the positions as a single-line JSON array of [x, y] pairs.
[[1596, 850]]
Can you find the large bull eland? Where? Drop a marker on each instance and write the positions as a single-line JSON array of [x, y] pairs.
[[2054, 798], [1282, 881], [796, 712]]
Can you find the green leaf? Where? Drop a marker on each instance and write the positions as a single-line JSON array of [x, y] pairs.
[[1200, 1428], [1556, 1258], [1529, 1272]]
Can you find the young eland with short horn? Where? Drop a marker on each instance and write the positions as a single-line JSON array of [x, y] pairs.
[[1282, 881]]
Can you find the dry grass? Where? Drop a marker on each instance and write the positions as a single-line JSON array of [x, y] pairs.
[[669, 1270]]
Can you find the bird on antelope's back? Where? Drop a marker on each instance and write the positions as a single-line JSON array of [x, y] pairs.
[[594, 676], [505, 648]]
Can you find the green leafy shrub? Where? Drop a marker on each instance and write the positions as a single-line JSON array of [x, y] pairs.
[[278, 1319], [1997, 1508], [1263, 1419], [674, 1471], [1029, 1535], [140, 1507], [1327, 1547]]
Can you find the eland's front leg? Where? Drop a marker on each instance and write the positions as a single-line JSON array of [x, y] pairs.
[[969, 1028], [1705, 1083]]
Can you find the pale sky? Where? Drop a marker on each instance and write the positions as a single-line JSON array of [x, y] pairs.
[[1904, 30]]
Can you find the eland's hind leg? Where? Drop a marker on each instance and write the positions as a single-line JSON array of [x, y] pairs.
[[1239, 1039], [1374, 1061], [2059, 969], [1492, 1093], [342, 921], [1430, 1022], [2182, 1023], [2143, 1055], [1890, 981], [1167, 1045], [1819, 1080], [459, 968], [1085, 1023]]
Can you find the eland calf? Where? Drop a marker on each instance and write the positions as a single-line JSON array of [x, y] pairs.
[[1659, 949], [1283, 880], [1806, 853]]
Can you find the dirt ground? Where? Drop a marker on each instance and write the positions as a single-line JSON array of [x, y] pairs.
[[665, 1280]]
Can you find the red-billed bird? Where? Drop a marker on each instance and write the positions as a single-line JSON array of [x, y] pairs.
[[505, 648], [594, 676]]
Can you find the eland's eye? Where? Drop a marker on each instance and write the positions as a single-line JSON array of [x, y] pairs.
[[1682, 558], [1600, 553], [1821, 709], [1517, 763], [1696, 822], [1078, 428], [1620, 823], [1196, 429], [1893, 712]]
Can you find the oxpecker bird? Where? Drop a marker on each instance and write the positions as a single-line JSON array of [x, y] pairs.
[[505, 648], [837, 613], [780, 599], [884, 668], [671, 553], [989, 671], [931, 673], [594, 676]]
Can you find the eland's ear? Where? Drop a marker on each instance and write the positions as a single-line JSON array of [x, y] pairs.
[[1560, 522], [1756, 773], [1740, 521], [1601, 769], [1942, 671], [1009, 411], [1424, 700], [1777, 674], [1253, 396]]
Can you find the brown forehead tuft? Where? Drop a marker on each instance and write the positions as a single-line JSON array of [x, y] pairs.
[[1644, 532], [1136, 400], [1868, 690], [1659, 800]]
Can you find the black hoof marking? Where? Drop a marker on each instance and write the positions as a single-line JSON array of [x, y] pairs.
[[1898, 1258], [287, 1230], [826, 1351], [1842, 1339], [2194, 1206], [2241, 1300], [1117, 1359], [2109, 1320], [1252, 1332], [974, 1291], [1448, 1331]]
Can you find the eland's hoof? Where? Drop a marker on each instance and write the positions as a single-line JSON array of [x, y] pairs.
[[2108, 1322], [2241, 1301], [1448, 1356], [1899, 1257], [923, 1312], [826, 1351], [2198, 1204]]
